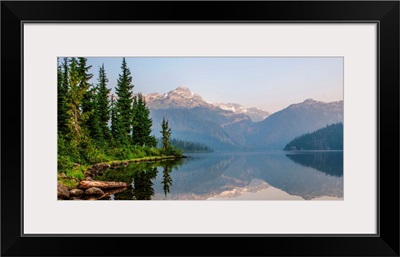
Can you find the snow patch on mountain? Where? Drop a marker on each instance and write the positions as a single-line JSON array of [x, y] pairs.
[[182, 97]]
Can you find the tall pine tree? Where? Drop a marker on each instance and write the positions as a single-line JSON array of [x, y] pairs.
[[142, 123], [166, 136], [88, 102], [62, 95], [102, 111], [76, 94], [113, 119], [123, 106]]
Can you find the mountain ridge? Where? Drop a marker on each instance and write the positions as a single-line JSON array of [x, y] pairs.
[[182, 97], [229, 126]]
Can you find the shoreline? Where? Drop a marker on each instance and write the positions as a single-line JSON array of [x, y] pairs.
[[67, 184]]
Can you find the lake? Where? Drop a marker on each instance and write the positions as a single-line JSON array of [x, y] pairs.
[[273, 175]]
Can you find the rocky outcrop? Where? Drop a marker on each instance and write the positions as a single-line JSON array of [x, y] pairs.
[[62, 191]]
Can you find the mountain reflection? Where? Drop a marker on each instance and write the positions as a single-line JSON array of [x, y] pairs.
[[207, 175], [330, 163]]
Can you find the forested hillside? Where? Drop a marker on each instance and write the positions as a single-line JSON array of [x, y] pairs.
[[328, 138]]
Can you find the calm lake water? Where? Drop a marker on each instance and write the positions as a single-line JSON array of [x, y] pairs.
[[235, 176]]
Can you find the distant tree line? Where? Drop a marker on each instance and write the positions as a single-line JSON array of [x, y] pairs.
[[187, 146], [94, 126], [190, 146], [327, 138]]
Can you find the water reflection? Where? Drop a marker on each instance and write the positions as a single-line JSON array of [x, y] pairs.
[[167, 180], [270, 175], [330, 163], [140, 179]]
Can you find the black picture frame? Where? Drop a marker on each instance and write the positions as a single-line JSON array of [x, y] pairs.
[[384, 13]]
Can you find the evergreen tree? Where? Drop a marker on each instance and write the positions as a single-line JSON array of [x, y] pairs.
[[76, 94], [142, 123], [62, 91], [102, 107], [85, 76], [88, 106], [123, 106], [166, 135], [113, 119]]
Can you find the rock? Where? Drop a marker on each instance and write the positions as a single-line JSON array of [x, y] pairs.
[[98, 167], [76, 164], [106, 166], [62, 175], [62, 191], [94, 191], [114, 165], [125, 164], [76, 192], [88, 179]]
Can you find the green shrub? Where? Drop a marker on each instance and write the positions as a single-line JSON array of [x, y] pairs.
[[76, 172], [94, 155], [64, 163]]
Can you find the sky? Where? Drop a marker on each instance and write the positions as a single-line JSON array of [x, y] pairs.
[[267, 83]]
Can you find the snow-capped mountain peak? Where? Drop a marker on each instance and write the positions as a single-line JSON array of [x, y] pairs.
[[182, 97], [255, 114]]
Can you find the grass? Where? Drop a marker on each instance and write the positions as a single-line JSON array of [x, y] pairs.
[[76, 172], [70, 183]]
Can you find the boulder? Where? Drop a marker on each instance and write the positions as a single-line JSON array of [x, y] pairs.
[[94, 191], [62, 191], [76, 192], [88, 179], [114, 165], [98, 167]]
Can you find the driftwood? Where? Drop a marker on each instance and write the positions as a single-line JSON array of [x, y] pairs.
[[101, 184]]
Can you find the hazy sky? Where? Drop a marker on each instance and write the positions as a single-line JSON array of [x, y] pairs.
[[267, 83]]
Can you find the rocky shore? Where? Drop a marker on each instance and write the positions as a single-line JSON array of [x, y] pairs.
[[90, 189]]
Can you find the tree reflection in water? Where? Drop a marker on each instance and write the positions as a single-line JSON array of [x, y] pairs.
[[330, 163], [167, 180], [143, 184], [140, 179]]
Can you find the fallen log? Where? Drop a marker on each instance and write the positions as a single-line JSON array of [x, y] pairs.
[[101, 184]]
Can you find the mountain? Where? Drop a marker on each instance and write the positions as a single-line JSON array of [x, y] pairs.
[[279, 128], [327, 138], [232, 126], [181, 97], [255, 114], [193, 119]]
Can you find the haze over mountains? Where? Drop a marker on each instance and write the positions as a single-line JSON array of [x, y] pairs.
[[230, 126]]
